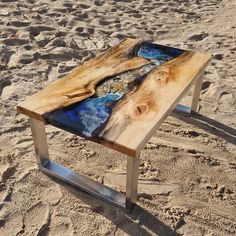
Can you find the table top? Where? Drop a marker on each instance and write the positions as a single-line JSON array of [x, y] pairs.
[[120, 97]]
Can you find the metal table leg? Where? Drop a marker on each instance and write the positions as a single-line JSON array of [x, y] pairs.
[[86, 184], [196, 94], [132, 180], [195, 97]]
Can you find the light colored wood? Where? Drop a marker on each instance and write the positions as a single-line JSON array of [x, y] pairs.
[[136, 117], [80, 83], [138, 114]]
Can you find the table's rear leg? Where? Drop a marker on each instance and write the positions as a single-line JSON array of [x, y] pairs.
[[40, 141], [132, 181], [196, 93], [195, 97]]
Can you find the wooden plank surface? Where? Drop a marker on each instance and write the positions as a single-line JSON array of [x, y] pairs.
[[80, 83], [120, 97], [136, 117]]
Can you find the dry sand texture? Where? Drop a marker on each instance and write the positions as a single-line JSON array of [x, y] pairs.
[[190, 161]]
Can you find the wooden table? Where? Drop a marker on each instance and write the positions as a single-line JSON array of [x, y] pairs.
[[117, 99]]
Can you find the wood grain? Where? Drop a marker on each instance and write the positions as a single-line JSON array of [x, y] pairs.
[[80, 83], [137, 116]]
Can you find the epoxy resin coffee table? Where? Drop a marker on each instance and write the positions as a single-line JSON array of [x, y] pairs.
[[118, 99]]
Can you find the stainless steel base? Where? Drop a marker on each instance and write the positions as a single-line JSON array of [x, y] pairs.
[[183, 108], [50, 167], [84, 183], [126, 201]]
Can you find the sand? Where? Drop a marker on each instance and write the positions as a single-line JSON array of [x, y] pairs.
[[190, 161]]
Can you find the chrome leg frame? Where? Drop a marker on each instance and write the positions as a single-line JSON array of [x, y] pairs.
[[196, 94], [195, 98], [132, 180], [86, 184]]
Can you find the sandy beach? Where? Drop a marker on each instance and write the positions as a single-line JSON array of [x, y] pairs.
[[188, 168]]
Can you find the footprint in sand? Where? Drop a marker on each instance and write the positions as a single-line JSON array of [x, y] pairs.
[[4, 90], [198, 37], [98, 3], [5, 55], [226, 101], [34, 218], [12, 225], [60, 225]]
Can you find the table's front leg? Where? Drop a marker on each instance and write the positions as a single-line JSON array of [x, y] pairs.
[[132, 181], [40, 141], [86, 184]]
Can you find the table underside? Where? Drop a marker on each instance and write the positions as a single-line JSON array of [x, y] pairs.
[[120, 97]]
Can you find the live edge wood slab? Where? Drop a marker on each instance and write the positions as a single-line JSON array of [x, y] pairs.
[[120, 97]]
